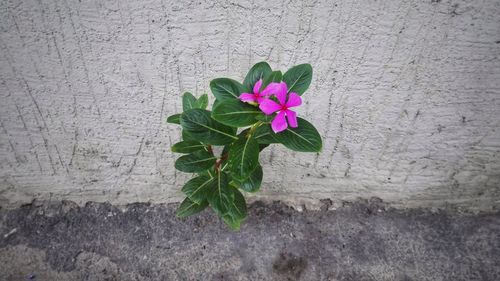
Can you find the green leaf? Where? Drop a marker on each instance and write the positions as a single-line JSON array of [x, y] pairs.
[[174, 119], [226, 89], [264, 134], [243, 157], [235, 113], [220, 196], [274, 76], [224, 156], [200, 125], [188, 208], [304, 138], [262, 146], [233, 223], [238, 211], [202, 101], [187, 137], [227, 202], [266, 118], [195, 162], [187, 146], [298, 78], [216, 102], [199, 188], [188, 101], [253, 182], [257, 72], [208, 173]]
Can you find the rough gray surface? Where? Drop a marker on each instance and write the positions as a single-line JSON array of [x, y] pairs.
[[406, 95], [362, 241]]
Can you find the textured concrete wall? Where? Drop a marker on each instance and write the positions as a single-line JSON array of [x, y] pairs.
[[405, 93]]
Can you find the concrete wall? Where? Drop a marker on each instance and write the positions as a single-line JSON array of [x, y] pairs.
[[406, 95]]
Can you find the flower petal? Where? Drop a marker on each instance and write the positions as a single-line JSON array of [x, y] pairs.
[[279, 122], [291, 116], [271, 89], [246, 97], [268, 106], [293, 100], [256, 87], [281, 93], [260, 99]]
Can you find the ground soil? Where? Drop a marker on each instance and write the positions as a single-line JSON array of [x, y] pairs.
[[359, 241]]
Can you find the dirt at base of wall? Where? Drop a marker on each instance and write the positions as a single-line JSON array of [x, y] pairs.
[[359, 241]]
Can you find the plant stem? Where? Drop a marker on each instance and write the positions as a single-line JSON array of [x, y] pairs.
[[222, 158], [253, 128]]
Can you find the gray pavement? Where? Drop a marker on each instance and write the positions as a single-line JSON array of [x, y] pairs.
[[359, 241]]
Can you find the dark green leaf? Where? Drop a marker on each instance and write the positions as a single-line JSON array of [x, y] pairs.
[[199, 188], [238, 211], [226, 89], [220, 196], [233, 223], [208, 173], [202, 101], [264, 134], [235, 113], [266, 118], [262, 146], [257, 72], [216, 102], [239, 207], [252, 183], [298, 78], [227, 202], [224, 155], [195, 162], [187, 137], [188, 101], [304, 138], [243, 157], [174, 119], [200, 125], [189, 207], [274, 76], [187, 146]]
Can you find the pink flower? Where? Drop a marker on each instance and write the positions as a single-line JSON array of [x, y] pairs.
[[257, 96], [268, 106]]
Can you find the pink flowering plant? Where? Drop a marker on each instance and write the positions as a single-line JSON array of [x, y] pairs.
[[245, 119]]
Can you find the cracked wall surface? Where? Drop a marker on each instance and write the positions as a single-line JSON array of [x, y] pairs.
[[406, 95]]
